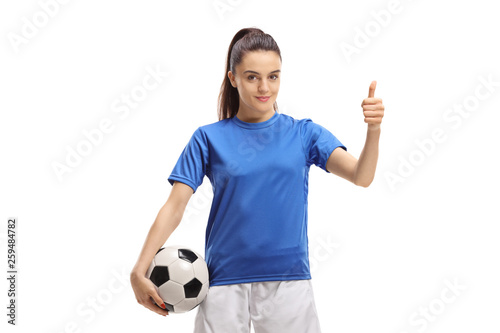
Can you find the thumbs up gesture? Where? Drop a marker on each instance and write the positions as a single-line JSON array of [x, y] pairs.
[[373, 109]]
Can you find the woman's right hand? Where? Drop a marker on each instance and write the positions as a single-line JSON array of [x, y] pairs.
[[146, 295]]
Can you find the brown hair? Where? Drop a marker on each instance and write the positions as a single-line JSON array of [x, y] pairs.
[[245, 40]]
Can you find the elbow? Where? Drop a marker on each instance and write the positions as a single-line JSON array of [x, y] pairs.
[[362, 179], [363, 183]]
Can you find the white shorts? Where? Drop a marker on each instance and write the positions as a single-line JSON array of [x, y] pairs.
[[271, 307]]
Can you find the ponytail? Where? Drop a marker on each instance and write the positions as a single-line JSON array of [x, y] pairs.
[[245, 40]]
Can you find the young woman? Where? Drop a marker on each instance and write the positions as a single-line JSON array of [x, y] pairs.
[[258, 162]]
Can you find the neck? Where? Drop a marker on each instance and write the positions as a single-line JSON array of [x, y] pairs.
[[254, 117]]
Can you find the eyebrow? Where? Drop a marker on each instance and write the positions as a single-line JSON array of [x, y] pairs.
[[276, 71]]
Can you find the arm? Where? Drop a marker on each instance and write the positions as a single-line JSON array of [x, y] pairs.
[[361, 172], [167, 220]]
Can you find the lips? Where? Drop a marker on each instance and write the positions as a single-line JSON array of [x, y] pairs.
[[263, 98]]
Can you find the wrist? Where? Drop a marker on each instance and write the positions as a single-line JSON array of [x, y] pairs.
[[373, 127], [137, 273]]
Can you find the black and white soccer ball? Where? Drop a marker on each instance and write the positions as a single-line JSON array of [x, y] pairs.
[[180, 276]]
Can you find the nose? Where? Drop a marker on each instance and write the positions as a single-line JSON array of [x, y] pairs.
[[263, 86]]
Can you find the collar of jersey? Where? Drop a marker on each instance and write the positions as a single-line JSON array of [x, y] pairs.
[[258, 125]]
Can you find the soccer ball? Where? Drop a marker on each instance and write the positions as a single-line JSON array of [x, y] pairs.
[[180, 276]]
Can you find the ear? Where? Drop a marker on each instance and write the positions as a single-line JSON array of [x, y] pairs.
[[231, 78]]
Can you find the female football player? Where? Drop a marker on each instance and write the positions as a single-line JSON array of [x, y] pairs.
[[257, 161]]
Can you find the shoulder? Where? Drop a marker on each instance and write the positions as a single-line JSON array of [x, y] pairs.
[[307, 127], [203, 132], [214, 127], [293, 122]]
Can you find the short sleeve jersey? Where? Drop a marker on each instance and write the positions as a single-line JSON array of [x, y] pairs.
[[257, 225]]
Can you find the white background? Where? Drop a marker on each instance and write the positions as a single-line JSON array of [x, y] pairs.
[[381, 255]]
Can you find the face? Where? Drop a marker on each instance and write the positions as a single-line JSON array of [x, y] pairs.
[[258, 75]]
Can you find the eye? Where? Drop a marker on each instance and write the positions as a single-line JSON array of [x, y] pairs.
[[250, 77], [275, 77]]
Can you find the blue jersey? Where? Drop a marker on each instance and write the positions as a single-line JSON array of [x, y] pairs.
[[257, 226]]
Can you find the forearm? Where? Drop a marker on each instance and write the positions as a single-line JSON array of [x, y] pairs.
[[367, 162], [165, 223]]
